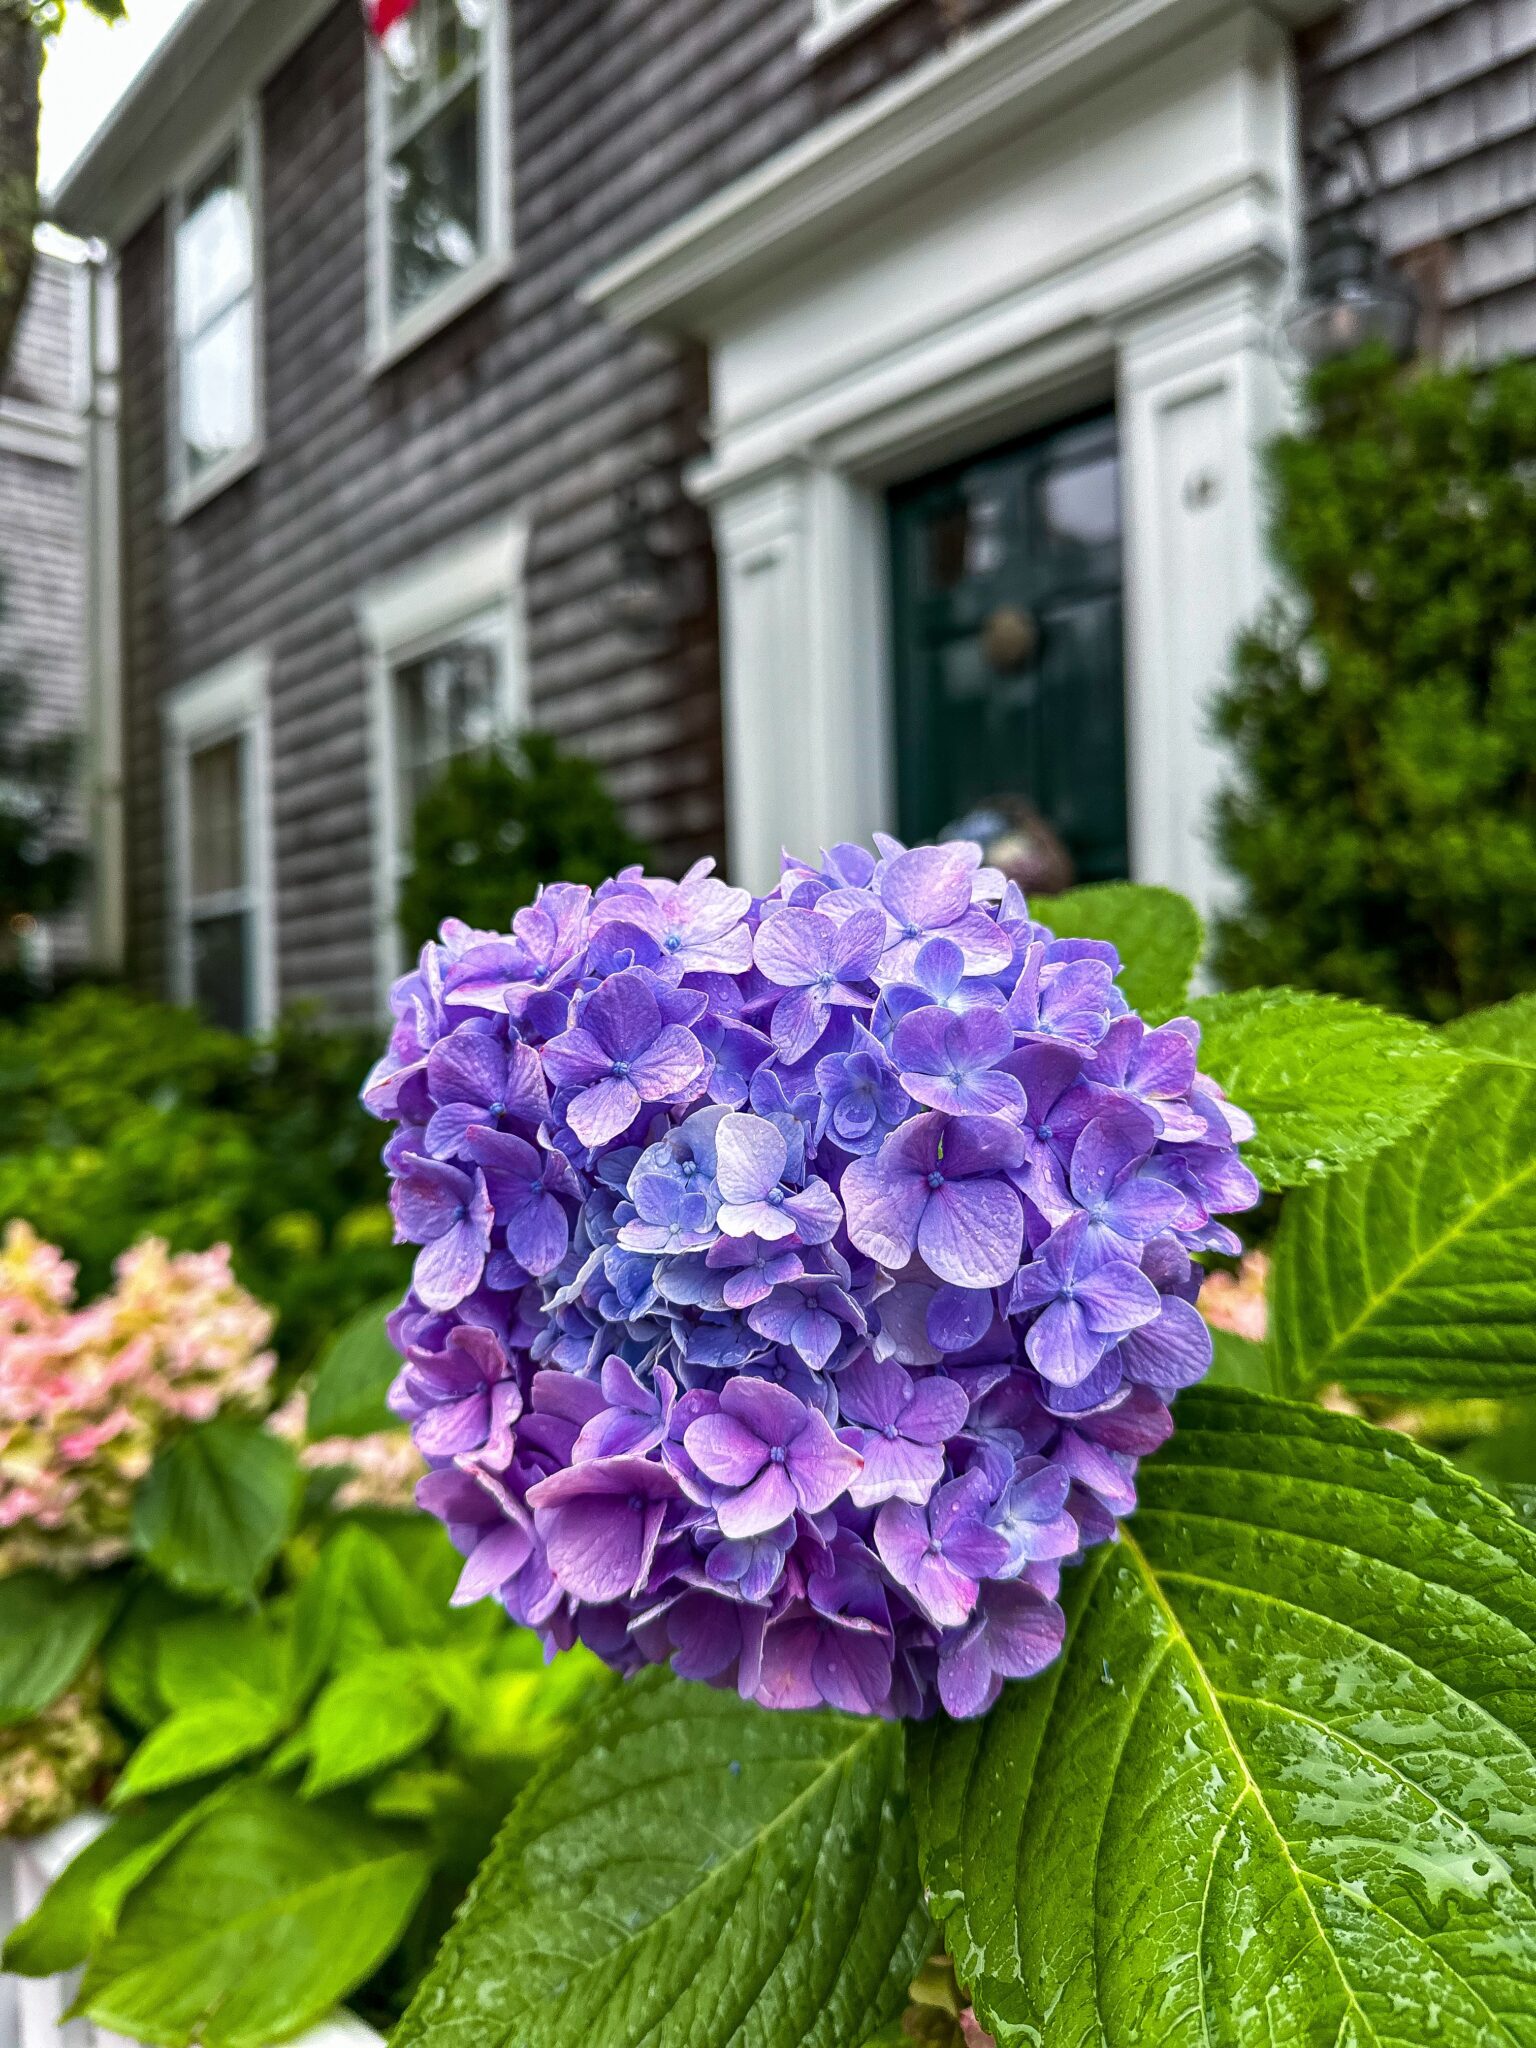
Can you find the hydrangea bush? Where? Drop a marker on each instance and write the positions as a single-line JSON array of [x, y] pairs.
[[88, 1395], [800, 1278]]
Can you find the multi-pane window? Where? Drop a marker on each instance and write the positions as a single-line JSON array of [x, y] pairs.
[[216, 314], [220, 882], [448, 701], [218, 905], [441, 109]]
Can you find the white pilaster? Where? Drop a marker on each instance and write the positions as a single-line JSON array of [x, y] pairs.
[[1200, 393], [807, 709]]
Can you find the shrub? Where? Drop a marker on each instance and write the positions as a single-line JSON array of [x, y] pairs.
[[1384, 713], [496, 825], [121, 1118]]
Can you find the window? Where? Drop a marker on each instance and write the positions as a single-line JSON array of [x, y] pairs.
[[221, 952], [441, 189], [215, 372], [449, 677]]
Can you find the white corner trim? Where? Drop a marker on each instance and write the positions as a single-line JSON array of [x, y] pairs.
[[973, 96], [835, 21], [230, 699], [389, 338], [404, 613]]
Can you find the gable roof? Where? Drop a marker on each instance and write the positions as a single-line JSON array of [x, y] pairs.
[[219, 53]]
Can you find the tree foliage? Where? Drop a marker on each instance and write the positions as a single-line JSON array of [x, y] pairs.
[[1384, 713], [497, 824]]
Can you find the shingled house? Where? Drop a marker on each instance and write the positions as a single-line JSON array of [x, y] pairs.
[[42, 640], [826, 413]]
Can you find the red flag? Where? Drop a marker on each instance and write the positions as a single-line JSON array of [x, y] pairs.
[[383, 14]]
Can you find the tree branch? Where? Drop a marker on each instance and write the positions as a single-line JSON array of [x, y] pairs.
[[21, 63]]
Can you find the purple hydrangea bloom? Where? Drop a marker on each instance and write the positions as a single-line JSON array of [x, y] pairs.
[[800, 1278]]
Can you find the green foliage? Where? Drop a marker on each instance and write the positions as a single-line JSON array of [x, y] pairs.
[[496, 825], [257, 1922], [1412, 1274], [121, 1118], [352, 1376], [1384, 826], [1158, 935], [48, 1628], [413, 1725], [1278, 1788], [41, 869], [1326, 1082], [692, 1870], [214, 1510]]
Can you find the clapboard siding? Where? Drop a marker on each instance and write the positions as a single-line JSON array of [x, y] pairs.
[[626, 114], [1447, 92]]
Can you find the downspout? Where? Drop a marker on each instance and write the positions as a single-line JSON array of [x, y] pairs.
[[103, 615]]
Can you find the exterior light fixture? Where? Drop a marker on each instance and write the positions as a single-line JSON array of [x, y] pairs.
[[652, 593], [1350, 294]]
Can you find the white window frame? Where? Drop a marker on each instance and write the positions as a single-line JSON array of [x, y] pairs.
[[389, 339], [228, 702], [834, 21], [187, 492], [404, 616]]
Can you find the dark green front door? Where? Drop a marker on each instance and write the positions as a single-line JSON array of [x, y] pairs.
[[1009, 668]]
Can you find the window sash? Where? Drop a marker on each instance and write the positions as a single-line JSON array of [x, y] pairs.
[[417, 766], [218, 308]]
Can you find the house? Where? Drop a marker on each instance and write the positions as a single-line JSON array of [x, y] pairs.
[[42, 551], [826, 413]]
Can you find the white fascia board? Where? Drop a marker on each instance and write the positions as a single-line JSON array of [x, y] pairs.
[[974, 95], [219, 53]]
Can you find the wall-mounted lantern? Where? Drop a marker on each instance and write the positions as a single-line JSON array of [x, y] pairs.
[[653, 593], [1350, 293]]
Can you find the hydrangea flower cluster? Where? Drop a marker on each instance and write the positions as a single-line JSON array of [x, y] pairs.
[[50, 1764], [88, 1395], [800, 1278]]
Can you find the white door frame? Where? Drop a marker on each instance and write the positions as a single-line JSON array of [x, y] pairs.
[[1127, 234]]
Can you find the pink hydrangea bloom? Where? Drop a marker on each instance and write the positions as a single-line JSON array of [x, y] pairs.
[[88, 1395]]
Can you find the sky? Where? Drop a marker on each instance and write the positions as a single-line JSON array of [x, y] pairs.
[[89, 67]]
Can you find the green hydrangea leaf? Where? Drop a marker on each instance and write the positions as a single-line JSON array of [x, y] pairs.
[[1504, 1031], [1156, 931], [262, 1918], [1415, 1273], [1328, 1082], [215, 1508], [358, 1599], [378, 1712], [197, 1741], [1278, 1788], [691, 1870], [353, 1376], [58, 1935], [48, 1628], [1240, 1362]]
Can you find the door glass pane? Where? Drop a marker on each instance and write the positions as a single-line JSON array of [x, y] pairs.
[[1009, 670], [435, 209], [447, 703], [218, 819], [221, 977], [213, 245], [218, 416]]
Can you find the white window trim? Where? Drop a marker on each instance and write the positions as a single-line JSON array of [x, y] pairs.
[[407, 614], [834, 21], [187, 493], [389, 340], [231, 699]]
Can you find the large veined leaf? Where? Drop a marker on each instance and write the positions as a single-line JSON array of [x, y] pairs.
[[1327, 1081], [1415, 1273], [1506, 1030], [690, 1872], [1280, 1789], [48, 1627], [1156, 932], [215, 1508], [264, 1916], [353, 1376]]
